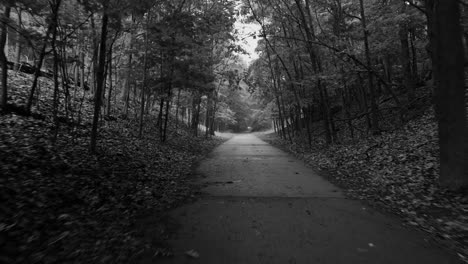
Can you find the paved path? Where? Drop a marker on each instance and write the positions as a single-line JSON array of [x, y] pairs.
[[264, 206]]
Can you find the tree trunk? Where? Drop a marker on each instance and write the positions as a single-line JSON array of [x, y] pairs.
[[414, 57], [387, 63], [373, 100], [362, 90], [159, 122], [213, 114], [65, 78], [307, 120], [126, 92], [76, 73], [276, 91], [4, 59], [406, 61], [177, 110], [18, 39], [110, 83], [94, 58], [448, 66], [100, 79], [209, 106], [288, 126], [51, 27], [189, 117], [330, 116], [325, 113], [56, 86], [82, 64], [347, 109], [196, 101], [316, 62], [281, 119], [166, 117], [143, 87]]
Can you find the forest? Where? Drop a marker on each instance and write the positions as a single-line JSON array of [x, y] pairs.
[[106, 106]]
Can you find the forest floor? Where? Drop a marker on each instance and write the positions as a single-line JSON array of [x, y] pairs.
[[396, 172], [60, 204]]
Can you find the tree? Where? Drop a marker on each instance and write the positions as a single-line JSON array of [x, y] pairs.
[[54, 17], [374, 108], [3, 57], [100, 75], [450, 98], [144, 82]]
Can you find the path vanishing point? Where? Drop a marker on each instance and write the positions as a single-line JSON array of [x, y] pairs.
[[262, 205]]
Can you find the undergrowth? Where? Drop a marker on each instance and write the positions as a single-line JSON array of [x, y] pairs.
[[60, 204]]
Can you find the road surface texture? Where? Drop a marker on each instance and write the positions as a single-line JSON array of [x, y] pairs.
[[261, 205]]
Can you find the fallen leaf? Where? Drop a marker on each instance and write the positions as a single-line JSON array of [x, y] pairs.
[[192, 253]]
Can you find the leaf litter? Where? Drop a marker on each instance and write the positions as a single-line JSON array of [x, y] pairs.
[[398, 172], [59, 204]]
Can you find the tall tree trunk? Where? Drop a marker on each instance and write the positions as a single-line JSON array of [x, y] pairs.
[[373, 100], [169, 95], [18, 39], [168, 107], [3, 57], [331, 123], [65, 78], [143, 88], [159, 122], [276, 90], [56, 85], [406, 60], [213, 114], [82, 63], [387, 63], [414, 57], [166, 117], [316, 62], [209, 111], [196, 101], [100, 78], [298, 107], [177, 109], [94, 59], [281, 118], [76, 73], [50, 28], [307, 120], [126, 92], [110, 82], [347, 109], [285, 116], [448, 66], [325, 112], [189, 117], [363, 93]]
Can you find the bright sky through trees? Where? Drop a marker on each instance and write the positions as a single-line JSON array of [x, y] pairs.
[[247, 39]]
